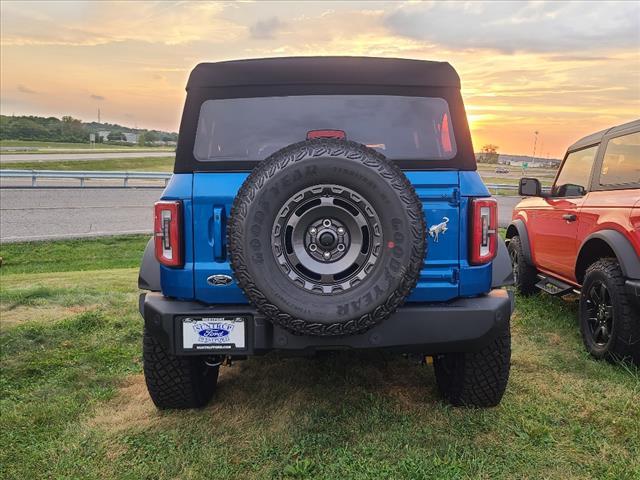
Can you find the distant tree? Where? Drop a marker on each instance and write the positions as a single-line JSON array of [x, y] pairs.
[[26, 129], [66, 129], [150, 136], [488, 154], [72, 130]]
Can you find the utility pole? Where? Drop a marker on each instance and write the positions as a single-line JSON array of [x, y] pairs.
[[98, 114], [541, 146], [535, 142]]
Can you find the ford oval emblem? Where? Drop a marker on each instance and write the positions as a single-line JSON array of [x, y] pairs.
[[213, 332], [219, 280]]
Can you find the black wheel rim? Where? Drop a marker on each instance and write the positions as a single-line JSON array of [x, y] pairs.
[[327, 239], [599, 309], [514, 265]]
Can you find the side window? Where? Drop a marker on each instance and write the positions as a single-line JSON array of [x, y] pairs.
[[621, 163], [573, 179]]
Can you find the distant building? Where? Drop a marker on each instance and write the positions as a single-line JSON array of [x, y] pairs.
[[130, 137], [103, 135], [532, 162]]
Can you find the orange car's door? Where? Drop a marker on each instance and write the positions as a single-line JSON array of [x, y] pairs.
[[556, 228]]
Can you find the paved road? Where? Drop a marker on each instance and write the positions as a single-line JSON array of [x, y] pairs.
[[51, 157], [40, 214], [505, 207]]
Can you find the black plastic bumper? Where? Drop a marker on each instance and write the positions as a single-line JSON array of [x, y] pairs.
[[462, 325]]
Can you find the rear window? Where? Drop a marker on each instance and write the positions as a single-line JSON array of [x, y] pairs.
[[621, 163], [401, 128]]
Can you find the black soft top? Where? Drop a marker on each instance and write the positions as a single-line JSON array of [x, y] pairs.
[[290, 76], [325, 71]]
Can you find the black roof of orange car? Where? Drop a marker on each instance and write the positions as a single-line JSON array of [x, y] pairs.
[[324, 71], [597, 137]]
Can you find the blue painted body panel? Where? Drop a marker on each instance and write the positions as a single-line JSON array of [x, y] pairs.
[[208, 197]]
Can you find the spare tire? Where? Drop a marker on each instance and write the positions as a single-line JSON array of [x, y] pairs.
[[326, 237]]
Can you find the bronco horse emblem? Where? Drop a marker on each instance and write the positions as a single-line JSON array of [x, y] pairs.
[[440, 228]]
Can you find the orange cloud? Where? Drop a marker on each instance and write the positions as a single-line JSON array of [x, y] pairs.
[[563, 82]]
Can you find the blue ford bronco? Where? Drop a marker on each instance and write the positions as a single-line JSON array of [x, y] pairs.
[[325, 203]]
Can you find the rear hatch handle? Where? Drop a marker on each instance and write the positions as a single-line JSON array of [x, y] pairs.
[[219, 220]]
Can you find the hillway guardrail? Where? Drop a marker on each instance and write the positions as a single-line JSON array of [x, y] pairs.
[[82, 176], [35, 175]]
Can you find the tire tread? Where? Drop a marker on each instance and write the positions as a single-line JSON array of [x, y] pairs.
[[175, 381], [476, 379], [527, 274], [626, 341]]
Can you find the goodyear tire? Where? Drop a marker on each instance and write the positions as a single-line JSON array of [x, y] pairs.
[[525, 276], [174, 381], [326, 237], [475, 379]]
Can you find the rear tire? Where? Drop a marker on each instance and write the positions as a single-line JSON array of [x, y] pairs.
[[524, 275], [475, 379], [616, 323], [174, 381]]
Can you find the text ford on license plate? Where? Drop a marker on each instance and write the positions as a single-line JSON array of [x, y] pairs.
[[213, 333]]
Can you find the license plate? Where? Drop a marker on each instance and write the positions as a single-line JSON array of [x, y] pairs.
[[213, 333]]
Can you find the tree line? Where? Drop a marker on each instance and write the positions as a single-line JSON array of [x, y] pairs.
[[71, 130]]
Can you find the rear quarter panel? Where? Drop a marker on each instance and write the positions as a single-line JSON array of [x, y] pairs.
[[611, 210]]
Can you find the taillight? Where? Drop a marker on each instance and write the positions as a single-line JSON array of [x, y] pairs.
[[168, 233], [484, 232], [339, 134]]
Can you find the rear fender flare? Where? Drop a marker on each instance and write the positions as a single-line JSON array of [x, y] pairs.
[[149, 275], [626, 255], [501, 269]]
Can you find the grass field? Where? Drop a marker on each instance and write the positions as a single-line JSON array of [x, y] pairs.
[[57, 146], [74, 404], [143, 164]]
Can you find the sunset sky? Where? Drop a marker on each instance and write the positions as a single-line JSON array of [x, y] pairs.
[[563, 69]]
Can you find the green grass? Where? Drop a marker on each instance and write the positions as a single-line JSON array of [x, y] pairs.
[[74, 404], [72, 255], [142, 164], [71, 146]]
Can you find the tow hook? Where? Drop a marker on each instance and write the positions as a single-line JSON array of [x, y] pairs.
[[215, 361]]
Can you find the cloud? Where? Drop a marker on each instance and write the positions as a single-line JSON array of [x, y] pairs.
[[510, 27], [578, 58], [93, 96], [25, 89], [265, 29], [101, 23]]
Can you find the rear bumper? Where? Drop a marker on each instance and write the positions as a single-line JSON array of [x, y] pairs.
[[462, 325]]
